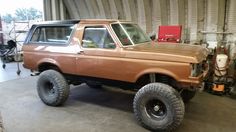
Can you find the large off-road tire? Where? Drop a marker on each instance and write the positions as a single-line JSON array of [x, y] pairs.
[[158, 107], [187, 95], [52, 88]]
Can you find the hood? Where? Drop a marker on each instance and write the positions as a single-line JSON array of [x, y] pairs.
[[167, 52]]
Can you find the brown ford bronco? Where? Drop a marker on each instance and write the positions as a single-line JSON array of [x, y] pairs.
[[115, 53]]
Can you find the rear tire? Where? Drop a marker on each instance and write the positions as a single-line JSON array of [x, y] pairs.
[[52, 88], [158, 107], [187, 95]]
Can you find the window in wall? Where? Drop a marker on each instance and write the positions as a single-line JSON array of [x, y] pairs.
[[50, 34], [97, 37]]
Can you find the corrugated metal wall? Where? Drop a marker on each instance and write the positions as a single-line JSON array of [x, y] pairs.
[[195, 16]]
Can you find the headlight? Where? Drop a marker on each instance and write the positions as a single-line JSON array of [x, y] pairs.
[[197, 69], [193, 70]]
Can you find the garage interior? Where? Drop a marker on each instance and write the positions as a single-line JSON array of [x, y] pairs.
[[210, 22]]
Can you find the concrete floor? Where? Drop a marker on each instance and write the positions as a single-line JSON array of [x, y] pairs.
[[1, 123], [9, 73], [93, 110]]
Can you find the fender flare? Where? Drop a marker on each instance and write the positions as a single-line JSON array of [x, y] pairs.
[[157, 71], [49, 61]]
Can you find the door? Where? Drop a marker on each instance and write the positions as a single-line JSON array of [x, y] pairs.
[[100, 56]]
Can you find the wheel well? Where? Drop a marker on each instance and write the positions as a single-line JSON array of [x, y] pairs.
[[46, 66], [146, 79]]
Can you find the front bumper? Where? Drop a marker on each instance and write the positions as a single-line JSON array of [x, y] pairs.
[[195, 82]]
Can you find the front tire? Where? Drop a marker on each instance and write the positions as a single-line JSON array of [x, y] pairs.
[[158, 107], [52, 88]]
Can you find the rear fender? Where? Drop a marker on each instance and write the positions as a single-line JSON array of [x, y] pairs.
[[48, 60]]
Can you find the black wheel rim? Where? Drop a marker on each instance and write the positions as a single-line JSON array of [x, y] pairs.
[[156, 109], [49, 89]]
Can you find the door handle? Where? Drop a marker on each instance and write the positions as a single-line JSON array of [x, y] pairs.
[[80, 52]]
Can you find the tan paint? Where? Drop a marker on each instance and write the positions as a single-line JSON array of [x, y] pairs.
[[122, 63]]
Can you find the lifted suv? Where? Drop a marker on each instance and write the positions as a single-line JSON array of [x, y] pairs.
[[116, 53]]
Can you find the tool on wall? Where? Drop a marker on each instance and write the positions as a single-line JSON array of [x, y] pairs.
[[168, 33]]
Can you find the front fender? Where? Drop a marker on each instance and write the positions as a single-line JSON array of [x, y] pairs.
[[157, 71]]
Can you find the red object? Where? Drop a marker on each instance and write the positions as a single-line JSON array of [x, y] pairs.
[[169, 34]]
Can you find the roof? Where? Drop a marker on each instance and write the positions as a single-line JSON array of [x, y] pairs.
[[102, 20], [58, 22], [75, 21]]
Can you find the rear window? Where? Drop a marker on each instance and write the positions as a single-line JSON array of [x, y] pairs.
[[52, 34]]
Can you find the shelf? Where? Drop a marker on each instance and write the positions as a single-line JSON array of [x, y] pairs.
[[211, 32]]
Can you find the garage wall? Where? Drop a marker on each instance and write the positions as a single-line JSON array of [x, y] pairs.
[[201, 19]]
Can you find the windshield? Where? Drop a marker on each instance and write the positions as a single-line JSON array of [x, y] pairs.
[[130, 34]]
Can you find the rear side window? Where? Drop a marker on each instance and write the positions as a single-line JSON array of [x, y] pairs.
[[52, 34]]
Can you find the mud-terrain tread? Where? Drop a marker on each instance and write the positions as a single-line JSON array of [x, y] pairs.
[[169, 93], [60, 83]]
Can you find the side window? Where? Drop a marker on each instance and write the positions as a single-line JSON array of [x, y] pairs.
[[97, 37], [52, 34]]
